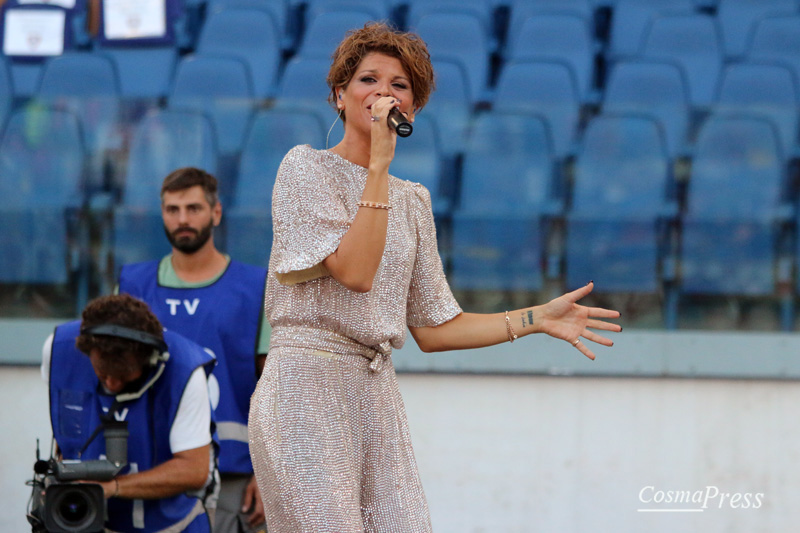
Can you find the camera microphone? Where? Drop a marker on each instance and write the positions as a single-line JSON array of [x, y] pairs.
[[399, 123]]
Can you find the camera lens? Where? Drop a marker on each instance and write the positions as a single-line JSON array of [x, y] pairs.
[[73, 510]]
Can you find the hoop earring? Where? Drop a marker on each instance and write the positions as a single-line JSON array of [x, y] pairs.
[[327, 137]]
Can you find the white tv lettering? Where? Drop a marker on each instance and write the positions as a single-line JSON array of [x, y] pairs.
[[191, 307], [173, 304]]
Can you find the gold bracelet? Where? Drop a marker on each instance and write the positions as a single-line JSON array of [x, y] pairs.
[[511, 335], [374, 205], [116, 488]]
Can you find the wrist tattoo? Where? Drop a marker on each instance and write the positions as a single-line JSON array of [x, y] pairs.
[[529, 316]]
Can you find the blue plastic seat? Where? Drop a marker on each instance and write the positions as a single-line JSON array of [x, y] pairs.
[[506, 193], [655, 88], [631, 19], [481, 10], [155, 55], [737, 19], [326, 30], [733, 207], [520, 10], [777, 38], [450, 105], [303, 86], [377, 9], [41, 193], [251, 35], [278, 9], [459, 37], [767, 89], [163, 141], [619, 204], [562, 37], [87, 84], [418, 158], [221, 88], [693, 41], [548, 88], [6, 92], [248, 222]]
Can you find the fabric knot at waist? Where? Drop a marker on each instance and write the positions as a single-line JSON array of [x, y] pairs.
[[317, 339]]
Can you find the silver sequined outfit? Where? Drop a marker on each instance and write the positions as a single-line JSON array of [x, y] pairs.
[[328, 433]]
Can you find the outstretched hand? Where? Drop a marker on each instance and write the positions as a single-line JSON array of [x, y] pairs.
[[563, 318]]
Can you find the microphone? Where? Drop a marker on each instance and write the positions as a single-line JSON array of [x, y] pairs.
[[399, 123]]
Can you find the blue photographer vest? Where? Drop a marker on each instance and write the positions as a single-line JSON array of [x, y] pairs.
[[77, 402], [224, 317]]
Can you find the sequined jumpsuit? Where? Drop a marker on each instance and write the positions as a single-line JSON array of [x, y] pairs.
[[328, 432]]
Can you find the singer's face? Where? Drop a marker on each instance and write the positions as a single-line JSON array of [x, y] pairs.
[[377, 75]]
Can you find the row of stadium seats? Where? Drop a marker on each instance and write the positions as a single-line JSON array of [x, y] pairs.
[[482, 36], [219, 87], [508, 221]]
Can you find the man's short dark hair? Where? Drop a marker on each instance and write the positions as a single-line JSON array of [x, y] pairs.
[[187, 177], [121, 310]]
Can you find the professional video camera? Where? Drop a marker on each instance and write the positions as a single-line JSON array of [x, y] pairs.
[[59, 504]]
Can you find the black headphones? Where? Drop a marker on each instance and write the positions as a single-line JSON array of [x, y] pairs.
[[160, 353]]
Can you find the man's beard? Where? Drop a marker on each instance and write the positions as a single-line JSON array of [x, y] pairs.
[[190, 245]]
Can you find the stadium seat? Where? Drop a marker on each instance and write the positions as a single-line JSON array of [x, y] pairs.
[[450, 105], [325, 31], [767, 89], [777, 38], [459, 37], [248, 221], [221, 88], [87, 84], [693, 42], [418, 158], [655, 88], [737, 19], [631, 19], [377, 9], [620, 205], [278, 9], [303, 86], [6, 92], [251, 35], [729, 241], [561, 37], [42, 193], [548, 88], [480, 10], [520, 10], [163, 141], [153, 51], [506, 194]]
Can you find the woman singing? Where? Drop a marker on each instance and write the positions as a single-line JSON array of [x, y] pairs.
[[354, 264]]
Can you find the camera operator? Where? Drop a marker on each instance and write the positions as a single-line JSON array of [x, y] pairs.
[[96, 371]]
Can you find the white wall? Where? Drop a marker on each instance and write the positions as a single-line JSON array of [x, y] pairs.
[[23, 397], [548, 454]]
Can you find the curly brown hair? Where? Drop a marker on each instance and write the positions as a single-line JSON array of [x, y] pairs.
[[187, 177], [119, 356], [408, 48]]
